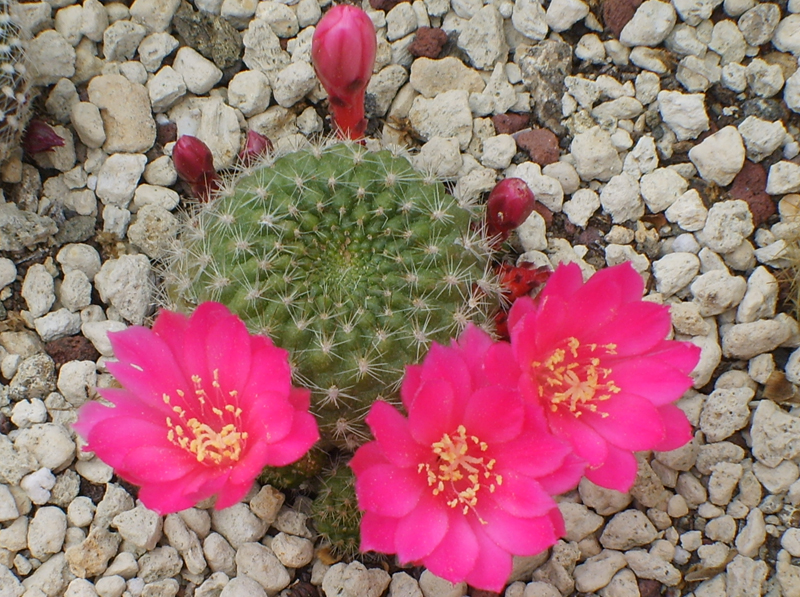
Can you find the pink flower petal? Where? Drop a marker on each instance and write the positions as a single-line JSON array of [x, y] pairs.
[[681, 355], [521, 307], [652, 378], [270, 371], [171, 328], [587, 443], [270, 416], [519, 536], [378, 532], [147, 367], [112, 438], [198, 338], [563, 283], [678, 430], [566, 477], [472, 345], [388, 490], [500, 366], [391, 430], [411, 383], [300, 398], [173, 463], [627, 421], [618, 472], [176, 495], [494, 414], [635, 329], [522, 496], [303, 434], [231, 494], [431, 414], [446, 364], [456, 555], [531, 454], [422, 529], [493, 564], [368, 455]]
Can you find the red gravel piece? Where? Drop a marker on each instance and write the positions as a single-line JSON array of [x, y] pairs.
[[511, 122], [428, 42], [749, 185], [385, 5], [540, 144], [71, 348], [617, 13]]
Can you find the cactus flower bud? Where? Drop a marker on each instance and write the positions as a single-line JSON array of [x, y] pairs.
[[40, 137], [343, 53], [195, 165], [255, 146], [509, 205]]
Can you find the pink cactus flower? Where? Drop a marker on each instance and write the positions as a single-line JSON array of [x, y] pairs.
[[594, 356], [194, 163], [343, 53], [509, 205], [203, 408], [465, 481]]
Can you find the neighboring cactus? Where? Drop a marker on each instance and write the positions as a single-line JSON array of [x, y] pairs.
[[14, 98], [351, 260], [296, 474], [336, 515]]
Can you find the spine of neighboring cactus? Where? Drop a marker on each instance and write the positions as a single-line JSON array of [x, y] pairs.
[[351, 260], [14, 96], [343, 53], [510, 203], [194, 164]]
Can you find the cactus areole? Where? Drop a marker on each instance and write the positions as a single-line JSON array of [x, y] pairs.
[[351, 260]]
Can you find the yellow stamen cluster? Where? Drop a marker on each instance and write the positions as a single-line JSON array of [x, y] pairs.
[[217, 444], [460, 472], [572, 376]]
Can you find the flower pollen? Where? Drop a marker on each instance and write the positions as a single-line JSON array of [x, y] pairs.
[[460, 473], [572, 376], [203, 440]]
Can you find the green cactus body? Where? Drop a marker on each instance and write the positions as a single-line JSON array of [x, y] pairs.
[[336, 515], [351, 260], [14, 99]]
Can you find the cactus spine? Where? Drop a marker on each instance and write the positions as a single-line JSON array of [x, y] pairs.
[[351, 260], [14, 99]]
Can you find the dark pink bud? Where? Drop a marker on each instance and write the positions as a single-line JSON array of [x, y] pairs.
[[40, 137], [343, 53], [195, 165], [510, 203], [255, 146]]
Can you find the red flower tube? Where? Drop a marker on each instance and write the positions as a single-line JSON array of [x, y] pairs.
[[343, 53], [510, 203], [195, 165]]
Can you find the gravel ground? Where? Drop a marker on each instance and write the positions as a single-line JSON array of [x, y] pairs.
[[662, 134]]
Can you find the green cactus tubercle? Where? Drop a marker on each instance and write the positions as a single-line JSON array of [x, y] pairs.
[[336, 515], [351, 260]]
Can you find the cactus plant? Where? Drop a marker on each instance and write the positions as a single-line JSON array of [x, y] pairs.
[[14, 97], [336, 515], [351, 260]]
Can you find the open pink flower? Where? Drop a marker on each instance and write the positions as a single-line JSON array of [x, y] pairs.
[[594, 356], [203, 408], [465, 481]]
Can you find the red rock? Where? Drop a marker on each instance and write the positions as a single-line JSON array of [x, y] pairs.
[[617, 13], [544, 212], [71, 348], [428, 42], [541, 145], [749, 185], [385, 5], [511, 122]]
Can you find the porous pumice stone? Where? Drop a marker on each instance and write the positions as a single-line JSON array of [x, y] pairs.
[[351, 260]]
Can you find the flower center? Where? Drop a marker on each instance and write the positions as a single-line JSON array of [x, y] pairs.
[[461, 470], [214, 436], [573, 378]]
